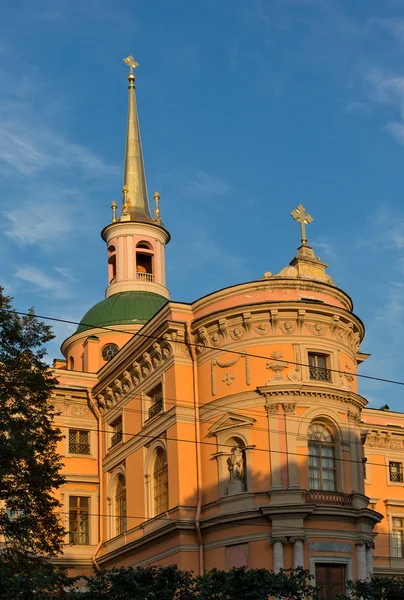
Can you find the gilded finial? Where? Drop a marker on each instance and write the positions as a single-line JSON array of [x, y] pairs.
[[125, 213], [132, 64], [157, 209], [114, 207], [299, 214]]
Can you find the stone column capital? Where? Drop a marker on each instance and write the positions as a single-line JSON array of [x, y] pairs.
[[277, 538], [298, 538]]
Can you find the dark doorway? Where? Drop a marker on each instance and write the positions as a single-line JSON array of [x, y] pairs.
[[330, 579]]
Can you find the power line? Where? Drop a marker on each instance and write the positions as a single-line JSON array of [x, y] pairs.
[[191, 521], [174, 439], [251, 412], [205, 347]]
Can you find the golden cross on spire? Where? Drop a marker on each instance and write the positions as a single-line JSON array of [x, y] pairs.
[[131, 62], [299, 214]]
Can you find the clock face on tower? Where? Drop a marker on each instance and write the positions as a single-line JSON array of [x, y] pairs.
[[109, 351]]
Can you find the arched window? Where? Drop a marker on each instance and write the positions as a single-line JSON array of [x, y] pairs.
[[144, 244], [71, 363], [111, 264], [120, 505], [144, 261], [160, 482], [321, 458]]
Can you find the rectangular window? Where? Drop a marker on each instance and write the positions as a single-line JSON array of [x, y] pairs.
[[398, 537], [116, 432], [319, 367], [321, 467], [330, 578], [396, 471], [156, 400], [79, 441], [79, 520]]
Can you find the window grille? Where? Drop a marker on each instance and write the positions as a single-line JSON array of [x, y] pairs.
[[79, 441], [396, 472]]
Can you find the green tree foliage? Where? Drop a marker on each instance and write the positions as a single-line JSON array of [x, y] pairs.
[[376, 588], [255, 584], [25, 576], [29, 463], [169, 583], [30, 515], [149, 583]]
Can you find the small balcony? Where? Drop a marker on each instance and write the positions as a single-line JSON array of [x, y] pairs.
[[319, 374], [156, 408], [116, 438], [329, 498], [145, 276]]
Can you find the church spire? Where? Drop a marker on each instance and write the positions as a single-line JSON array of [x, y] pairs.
[[135, 204]]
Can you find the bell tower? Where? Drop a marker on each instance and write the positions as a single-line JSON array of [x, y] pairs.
[[135, 239]]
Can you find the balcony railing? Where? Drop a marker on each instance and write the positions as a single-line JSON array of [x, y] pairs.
[[319, 374], [145, 276], [156, 408], [116, 438], [322, 497], [396, 476]]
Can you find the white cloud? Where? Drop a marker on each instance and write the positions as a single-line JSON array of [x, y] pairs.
[[28, 150], [41, 223], [42, 282], [205, 185]]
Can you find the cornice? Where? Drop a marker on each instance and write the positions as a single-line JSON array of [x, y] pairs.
[[274, 284], [147, 539], [309, 391]]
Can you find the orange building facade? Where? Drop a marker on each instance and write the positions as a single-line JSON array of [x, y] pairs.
[[228, 431]]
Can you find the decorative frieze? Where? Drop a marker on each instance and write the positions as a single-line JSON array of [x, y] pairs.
[[247, 326], [131, 377]]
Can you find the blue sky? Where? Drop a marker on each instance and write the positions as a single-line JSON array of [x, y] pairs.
[[247, 108]]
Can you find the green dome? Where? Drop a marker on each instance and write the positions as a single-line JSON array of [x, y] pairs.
[[123, 308]]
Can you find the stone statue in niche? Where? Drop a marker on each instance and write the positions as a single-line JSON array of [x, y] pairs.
[[236, 466]]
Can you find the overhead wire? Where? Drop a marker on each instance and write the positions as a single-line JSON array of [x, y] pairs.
[[189, 441], [205, 347]]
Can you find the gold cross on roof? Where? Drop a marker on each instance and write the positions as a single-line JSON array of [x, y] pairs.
[[131, 62], [299, 214]]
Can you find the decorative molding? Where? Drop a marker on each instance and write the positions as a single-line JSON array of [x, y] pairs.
[[272, 408], [225, 365], [317, 328], [277, 365], [287, 327], [289, 408], [126, 381], [231, 420]]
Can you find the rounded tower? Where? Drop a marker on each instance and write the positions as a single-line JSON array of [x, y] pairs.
[[136, 243]]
